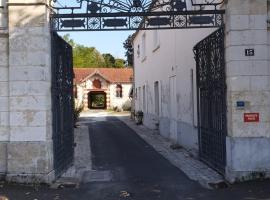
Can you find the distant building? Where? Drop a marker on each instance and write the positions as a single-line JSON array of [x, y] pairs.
[[103, 88]]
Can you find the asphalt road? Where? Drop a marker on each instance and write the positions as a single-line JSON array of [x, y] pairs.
[[137, 171]]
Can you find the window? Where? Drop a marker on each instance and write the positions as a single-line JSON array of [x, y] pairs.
[[119, 91], [143, 47], [96, 84], [155, 40], [138, 51]]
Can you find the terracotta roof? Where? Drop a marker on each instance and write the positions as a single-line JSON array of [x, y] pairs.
[[113, 75]]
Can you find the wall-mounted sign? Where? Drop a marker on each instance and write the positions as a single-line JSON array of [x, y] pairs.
[[240, 104], [251, 117], [249, 52]]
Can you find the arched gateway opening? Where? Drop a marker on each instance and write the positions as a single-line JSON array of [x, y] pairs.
[[116, 15], [97, 100]]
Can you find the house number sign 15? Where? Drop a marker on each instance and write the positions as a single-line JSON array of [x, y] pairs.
[[249, 52]]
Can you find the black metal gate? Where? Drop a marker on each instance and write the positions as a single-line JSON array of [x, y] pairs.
[[62, 103], [211, 93]]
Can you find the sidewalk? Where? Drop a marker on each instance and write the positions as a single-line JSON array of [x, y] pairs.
[[193, 168]]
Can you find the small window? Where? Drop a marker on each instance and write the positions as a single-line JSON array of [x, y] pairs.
[[119, 91], [96, 84], [143, 47], [138, 51]]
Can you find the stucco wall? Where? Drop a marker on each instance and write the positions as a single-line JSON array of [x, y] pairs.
[[173, 57], [119, 101], [110, 89]]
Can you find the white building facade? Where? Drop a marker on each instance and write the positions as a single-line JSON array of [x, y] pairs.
[[112, 85], [166, 88]]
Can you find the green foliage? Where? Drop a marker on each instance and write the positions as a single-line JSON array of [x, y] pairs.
[[119, 63], [78, 108], [129, 50], [127, 106], [85, 57], [67, 38], [98, 100], [109, 60]]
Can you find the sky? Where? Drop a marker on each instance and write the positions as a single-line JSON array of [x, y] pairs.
[[104, 41]]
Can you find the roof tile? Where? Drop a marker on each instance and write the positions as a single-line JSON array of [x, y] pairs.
[[114, 75]]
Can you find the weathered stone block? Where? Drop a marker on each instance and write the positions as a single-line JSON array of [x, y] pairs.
[[23, 88], [246, 156], [27, 74], [4, 104], [240, 83], [29, 42], [247, 37], [20, 16], [27, 134], [36, 103], [246, 7], [3, 157], [235, 53], [4, 133], [3, 73], [28, 118], [259, 83], [3, 89], [17, 58], [30, 158], [4, 118]]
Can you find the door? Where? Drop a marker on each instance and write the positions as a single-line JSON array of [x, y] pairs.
[[173, 109], [156, 90]]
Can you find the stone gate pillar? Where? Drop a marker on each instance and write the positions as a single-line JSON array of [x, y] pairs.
[[4, 93], [30, 149], [248, 81]]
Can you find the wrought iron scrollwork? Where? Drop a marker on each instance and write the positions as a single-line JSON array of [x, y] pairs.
[[211, 94], [97, 15]]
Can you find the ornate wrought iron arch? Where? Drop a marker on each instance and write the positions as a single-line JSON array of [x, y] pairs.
[[108, 15]]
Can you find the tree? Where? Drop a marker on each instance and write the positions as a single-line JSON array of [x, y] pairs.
[[87, 57], [84, 56], [119, 63], [129, 50], [109, 60], [67, 38]]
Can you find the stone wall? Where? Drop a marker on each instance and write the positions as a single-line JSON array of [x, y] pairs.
[[25, 98], [248, 149], [4, 89]]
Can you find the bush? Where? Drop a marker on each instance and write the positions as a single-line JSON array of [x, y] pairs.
[[78, 108], [127, 106]]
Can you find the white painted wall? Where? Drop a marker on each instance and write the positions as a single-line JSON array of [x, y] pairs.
[[119, 101], [84, 87], [168, 54]]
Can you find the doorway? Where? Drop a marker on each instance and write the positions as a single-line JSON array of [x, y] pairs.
[[97, 100], [173, 110]]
